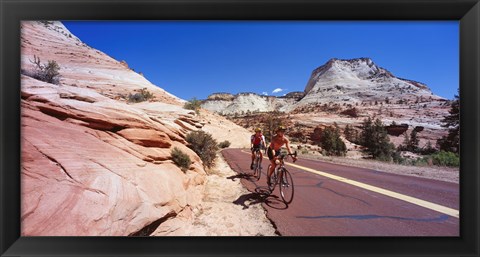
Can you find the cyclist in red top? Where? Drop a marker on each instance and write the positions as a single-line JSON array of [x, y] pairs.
[[257, 141]]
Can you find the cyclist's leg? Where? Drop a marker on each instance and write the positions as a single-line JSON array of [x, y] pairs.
[[253, 157], [272, 167], [272, 163]]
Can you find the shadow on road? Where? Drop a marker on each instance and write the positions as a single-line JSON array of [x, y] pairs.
[[271, 200], [240, 176], [251, 198], [261, 195]]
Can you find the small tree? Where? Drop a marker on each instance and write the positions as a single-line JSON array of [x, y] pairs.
[[405, 143], [271, 122], [348, 132], [412, 145], [330, 141], [451, 142], [46, 72], [204, 145], [193, 104], [351, 134], [143, 95], [367, 132], [375, 138]]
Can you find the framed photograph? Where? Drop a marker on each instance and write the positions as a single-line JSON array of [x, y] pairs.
[[131, 128]]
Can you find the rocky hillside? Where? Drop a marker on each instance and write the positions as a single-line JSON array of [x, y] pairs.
[[346, 92], [95, 163], [360, 80], [229, 104]]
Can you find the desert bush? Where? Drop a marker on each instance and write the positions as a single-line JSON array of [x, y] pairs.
[[420, 162], [224, 144], [351, 134], [180, 158], [46, 72], [330, 142], [143, 95], [375, 138], [204, 145], [410, 143], [193, 104], [443, 158], [398, 159]]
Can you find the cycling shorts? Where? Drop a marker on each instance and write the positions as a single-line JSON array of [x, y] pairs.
[[255, 147], [270, 153]]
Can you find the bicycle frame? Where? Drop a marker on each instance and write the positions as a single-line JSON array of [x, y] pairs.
[[283, 178], [257, 164]]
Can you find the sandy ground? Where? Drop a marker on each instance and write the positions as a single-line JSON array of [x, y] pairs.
[[226, 210]]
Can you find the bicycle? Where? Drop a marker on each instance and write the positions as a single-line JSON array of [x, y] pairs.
[[282, 177], [257, 164]]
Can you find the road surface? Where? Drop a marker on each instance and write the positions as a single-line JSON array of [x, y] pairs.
[[338, 200]]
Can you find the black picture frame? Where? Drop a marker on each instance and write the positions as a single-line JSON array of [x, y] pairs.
[[467, 12]]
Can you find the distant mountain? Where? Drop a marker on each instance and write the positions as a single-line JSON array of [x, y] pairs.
[[354, 82], [360, 80]]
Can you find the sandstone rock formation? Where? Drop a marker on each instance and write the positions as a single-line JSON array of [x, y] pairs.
[[243, 103], [358, 80], [93, 163], [346, 92]]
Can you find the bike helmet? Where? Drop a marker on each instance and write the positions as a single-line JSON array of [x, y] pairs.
[[281, 128], [258, 130]]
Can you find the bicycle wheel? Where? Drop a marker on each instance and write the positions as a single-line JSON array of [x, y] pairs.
[[286, 186], [273, 180]]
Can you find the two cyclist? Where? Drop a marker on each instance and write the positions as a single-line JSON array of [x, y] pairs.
[[257, 141]]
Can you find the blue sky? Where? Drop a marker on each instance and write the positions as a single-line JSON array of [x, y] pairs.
[[197, 58]]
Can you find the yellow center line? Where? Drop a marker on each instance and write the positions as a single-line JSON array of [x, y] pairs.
[[406, 198]]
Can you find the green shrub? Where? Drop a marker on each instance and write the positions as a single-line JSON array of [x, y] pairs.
[[193, 104], [397, 158], [180, 158], [330, 142], [224, 144], [204, 145], [375, 138], [420, 162], [443, 158], [143, 95]]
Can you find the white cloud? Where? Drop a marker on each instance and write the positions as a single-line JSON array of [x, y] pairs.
[[264, 93], [277, 90]]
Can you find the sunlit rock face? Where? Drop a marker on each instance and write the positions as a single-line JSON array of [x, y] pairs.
[[93, 162]]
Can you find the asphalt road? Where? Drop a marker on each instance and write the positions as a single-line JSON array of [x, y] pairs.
[[338, 200]]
